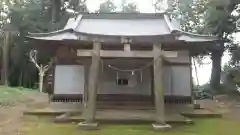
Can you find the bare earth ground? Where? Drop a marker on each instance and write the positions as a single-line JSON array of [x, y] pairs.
[[11, 115], [12, 120], [230, 107]]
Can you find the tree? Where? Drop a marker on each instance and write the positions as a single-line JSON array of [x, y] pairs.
[[212, 17], [107, 7], [221, 22], [129, 8], [5, 39], [42, 69], [5, 57], [191, 14], [163, 5], [56, 9], [7, 34]]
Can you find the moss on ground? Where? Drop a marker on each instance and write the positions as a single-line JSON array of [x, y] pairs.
[[7, 93], [201, 127], [10, 95]]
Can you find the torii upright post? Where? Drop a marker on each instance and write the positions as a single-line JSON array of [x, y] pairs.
[[159, 89], [90, 109]]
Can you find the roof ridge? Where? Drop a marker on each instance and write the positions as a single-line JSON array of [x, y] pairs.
[[77, 21], [93, 13], [73, 22], [169, 24], [53, 32], [174, 29]]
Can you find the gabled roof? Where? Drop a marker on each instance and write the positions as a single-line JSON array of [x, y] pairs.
[[120, 25]]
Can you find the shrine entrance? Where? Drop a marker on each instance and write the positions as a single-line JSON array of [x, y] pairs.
[[126, 83]]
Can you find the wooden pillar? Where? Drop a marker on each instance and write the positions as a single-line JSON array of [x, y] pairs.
[[159, 89], [85, 94], [90, 109]]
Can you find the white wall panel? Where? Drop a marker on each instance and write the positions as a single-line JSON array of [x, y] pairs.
[[69, 79]]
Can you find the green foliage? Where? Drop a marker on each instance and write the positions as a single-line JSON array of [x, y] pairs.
[[190, 13], [205, 16], [129, 8], [220, 20], [107, 6], [231, 78]]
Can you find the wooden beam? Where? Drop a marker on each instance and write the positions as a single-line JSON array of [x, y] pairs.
[[84, 53], [170, 54], [125, 54], [158, 84], [90, 110]]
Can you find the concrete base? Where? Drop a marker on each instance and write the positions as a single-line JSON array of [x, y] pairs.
[[189, 121], [88, 125], [161, 127], [202, 113], [128, 117], [197, 106]]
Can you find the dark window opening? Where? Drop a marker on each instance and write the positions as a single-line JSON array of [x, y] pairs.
[[122, 81]]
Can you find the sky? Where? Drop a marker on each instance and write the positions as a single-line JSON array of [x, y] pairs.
[[146, 6], [204, 71]]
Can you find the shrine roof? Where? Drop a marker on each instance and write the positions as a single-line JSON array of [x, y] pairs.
[[121, 25]]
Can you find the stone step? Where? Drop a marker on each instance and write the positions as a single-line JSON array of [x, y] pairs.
[[65, 105], [125, 105]]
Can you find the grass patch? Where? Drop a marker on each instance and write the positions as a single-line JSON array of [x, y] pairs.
[[10, 95], [202, 127]]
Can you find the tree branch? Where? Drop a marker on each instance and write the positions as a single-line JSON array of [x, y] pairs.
[[50, 63], [33, 58]]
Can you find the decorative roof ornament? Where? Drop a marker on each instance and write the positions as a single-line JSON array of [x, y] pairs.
[[126, 40]]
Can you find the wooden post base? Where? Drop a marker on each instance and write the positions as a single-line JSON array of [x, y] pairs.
[[161, 127], [88, 125]]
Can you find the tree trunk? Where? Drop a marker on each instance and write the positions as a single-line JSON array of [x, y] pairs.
[[40, 84], [4, 72], [20, 78], [56, 5], [216, 57]]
